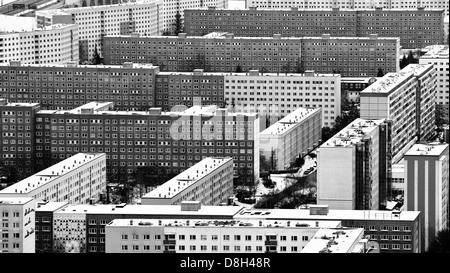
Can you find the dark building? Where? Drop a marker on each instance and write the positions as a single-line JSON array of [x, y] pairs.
[[44, 225]]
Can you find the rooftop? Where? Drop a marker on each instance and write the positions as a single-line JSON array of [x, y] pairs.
[[436, 52], [311, 9], [334, 215], [392, 80], [429, 149], [188, 178], [22, 104], [48, 175], [50, 206], [246, 74], [223, 223], [95, 8], [329, 240], [153, 210], [352, 133], [76, 65], [14, 200], [358, 79], [290, 121], [34, 29]]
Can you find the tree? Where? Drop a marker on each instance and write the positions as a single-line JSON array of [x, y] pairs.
[[96, 57], [178, 24], [263, 70], [440, 243], [403, 62], [238, 68], [380, 73], [299, 68], [439, 116], [327, 133]]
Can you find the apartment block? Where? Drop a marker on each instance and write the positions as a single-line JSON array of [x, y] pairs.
[[209, 181], [225, 52], [97, 21], [210, 236], [328, 240], [407, 99], [394, 231], [44, 225], [17, 145], [81, 228], [17, 220], [168, 141], [79, 179], [293, 136], [427, 187], [58, 87], [55, 44], [353, 167], [437, 55], [357, 4], [406, 24]]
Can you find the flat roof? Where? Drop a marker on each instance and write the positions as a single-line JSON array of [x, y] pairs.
[[430, 149], [290, 121], [223, 223], [22, 104], [188, 178], [338, 215], [246, 74], [352, 133], [317, 9], [14, 200], [103, 7], [50, 206], [436, 52], [358, 79], [76, 65], [329, 240], [46, 176], [154, 210]]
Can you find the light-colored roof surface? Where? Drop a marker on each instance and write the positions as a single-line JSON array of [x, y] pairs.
[[352, 133], [427, 149], [290, 121], [436, 52], [304, 214], [22, 104], [247, 74], [50, 206], [48, 175], [14, 200], [134, 66], [188, 178], [390, 81], [333, 240], [357, 79], [156, 210], [224, 223], [320, 9], [98, 8]]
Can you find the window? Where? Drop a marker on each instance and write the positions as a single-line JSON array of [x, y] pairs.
[[372, 228], [384, 246], [282, 238], [305, 238], [192, 248], [226, 248], [135, 247], [158, 237], [214, 237], [407, 247], [396, 246], [282, 249], [192, 237], [181, 247], [124, 237], [237, 237], [203, 248], [146, 236], [248, 237], [226, 237], [124, 247], [293, 238], [384, 228], [237, 248], [248, 248], [258, 238], [406, 237], [259, 248], [203, 237], [157, 247], [181, 237], [294, 249], [395, 228], [135, 237], [407, 229], [146, 247], [214, 248], [396, 237]]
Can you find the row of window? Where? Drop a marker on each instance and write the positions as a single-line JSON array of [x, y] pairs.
[[225, 237]]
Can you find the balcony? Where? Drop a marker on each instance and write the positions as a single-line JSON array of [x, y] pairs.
[[168, 242], [271, 243], [169, 251]]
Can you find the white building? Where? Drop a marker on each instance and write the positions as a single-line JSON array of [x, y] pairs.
[[17, 225], [407, 98], [339, 240], [292, 136], [345, 4], [97, 21], [278, 94], [210, 236], [55, 44], [209, 181], [438, 55], [351, 167], [398, 179], [79, 179], [427, 187]]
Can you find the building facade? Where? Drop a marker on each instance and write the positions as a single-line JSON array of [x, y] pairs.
[[406, 24], [209, 236], [18, 227], [427, 187], [438, 56], [293, 136], [209, 181], [97, 21], [44, 225], [60, 87], [55, 44], [351, 87], [79, 179], [353, 167], [357, 4], [349, 56], [407, 99]]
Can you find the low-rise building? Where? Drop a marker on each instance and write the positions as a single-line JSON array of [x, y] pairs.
[[293, 136], [44, 225], [210, 236], [209, 181], [18, 227], [80, 179]]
